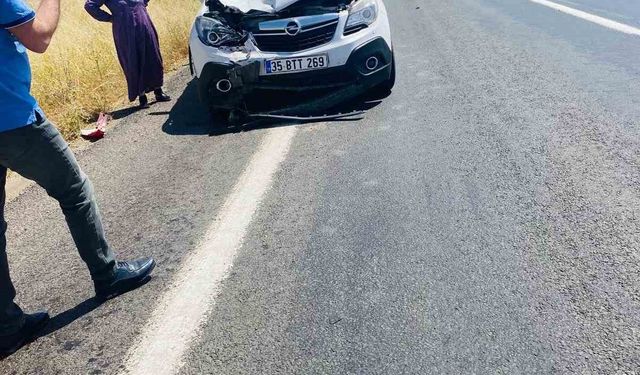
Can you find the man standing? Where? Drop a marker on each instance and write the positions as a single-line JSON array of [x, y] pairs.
[[31, 146]]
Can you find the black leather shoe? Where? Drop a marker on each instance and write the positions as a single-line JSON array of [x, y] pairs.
[[161, 96], [33, 324], [144, 102], [127, 276]]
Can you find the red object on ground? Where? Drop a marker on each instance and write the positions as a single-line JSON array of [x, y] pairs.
[[99, 131]]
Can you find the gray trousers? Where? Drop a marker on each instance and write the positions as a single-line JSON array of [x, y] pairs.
[[39, 153]]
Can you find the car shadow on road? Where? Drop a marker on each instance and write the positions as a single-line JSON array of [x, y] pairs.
[[189, 117]]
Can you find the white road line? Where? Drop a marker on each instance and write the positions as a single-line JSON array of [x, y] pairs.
[[182, 310], [621, 27]]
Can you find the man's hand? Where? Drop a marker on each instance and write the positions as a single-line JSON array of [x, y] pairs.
[[36, 34]]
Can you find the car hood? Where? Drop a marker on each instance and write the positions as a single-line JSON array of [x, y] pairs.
[[268, 6]]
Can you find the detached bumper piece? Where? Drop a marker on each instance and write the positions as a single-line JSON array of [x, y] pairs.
[[240, 87]]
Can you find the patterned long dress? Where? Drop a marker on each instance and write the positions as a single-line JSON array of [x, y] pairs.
[[136, 41]]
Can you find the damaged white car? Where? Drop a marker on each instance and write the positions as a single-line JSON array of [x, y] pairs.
[[312, 54]]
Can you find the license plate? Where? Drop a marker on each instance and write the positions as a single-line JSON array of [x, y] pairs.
[[296, 64]]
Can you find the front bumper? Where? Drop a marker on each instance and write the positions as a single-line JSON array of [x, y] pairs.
[[246, 80]]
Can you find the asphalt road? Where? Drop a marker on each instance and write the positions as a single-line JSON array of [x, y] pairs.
[[482, 219]]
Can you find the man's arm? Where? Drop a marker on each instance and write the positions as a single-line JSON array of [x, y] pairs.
[[36, 34]]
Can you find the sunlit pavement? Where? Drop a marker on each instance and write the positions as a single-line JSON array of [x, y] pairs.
[[481, 219]]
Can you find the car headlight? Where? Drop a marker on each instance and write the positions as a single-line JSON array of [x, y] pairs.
[[362, 14], [215, 33]]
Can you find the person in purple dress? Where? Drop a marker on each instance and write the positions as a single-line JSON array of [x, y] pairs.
[[137, 45]]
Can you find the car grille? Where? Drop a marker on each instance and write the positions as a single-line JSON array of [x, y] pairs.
[[309, 37], [331, 77]]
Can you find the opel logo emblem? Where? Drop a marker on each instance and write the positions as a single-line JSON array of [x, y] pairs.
[[292, 28]]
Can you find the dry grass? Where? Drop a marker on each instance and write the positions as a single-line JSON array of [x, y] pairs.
[[79, 76]]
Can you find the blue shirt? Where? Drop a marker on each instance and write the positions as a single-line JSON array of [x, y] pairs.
[[17, 106]]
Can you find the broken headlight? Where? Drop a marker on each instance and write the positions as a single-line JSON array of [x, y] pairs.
[[216, 33], [362, 14]]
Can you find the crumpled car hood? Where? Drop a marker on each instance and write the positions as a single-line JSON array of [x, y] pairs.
[[269, 6]]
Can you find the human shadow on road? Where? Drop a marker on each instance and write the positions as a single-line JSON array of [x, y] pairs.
[[128, 111], [189, 117], [124, 112], [83, 308], [65, 318]]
